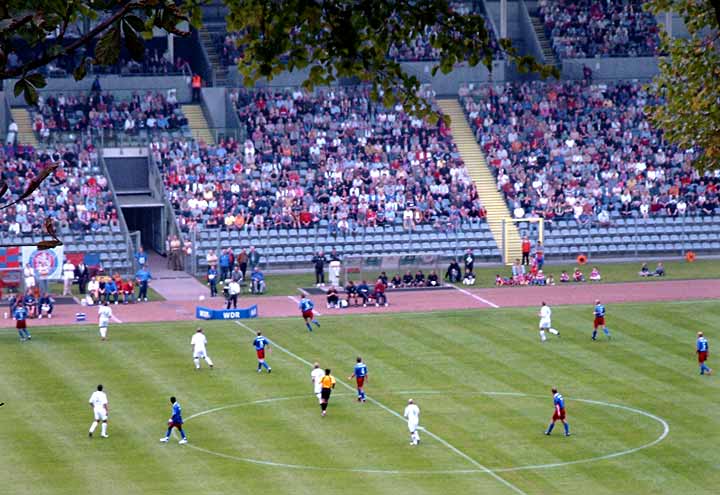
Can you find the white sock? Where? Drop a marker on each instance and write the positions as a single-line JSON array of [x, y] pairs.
[[208, 360], [103, 332], [103, 429], [554, 332], [542, 336], [93, 426], [197, 363]]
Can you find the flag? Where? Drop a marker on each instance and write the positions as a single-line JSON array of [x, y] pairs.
[[9, 258]]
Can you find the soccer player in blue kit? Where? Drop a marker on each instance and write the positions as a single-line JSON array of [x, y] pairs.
[[175, 421], [599, 321], [261, 343], [558, 413], [360, 373], [306, 307]]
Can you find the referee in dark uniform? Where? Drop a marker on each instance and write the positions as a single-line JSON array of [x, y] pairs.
[[327, 383]]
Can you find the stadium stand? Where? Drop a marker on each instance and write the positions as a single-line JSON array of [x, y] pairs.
[[586, 156], [63, 117], [587, 28], [76, 196]]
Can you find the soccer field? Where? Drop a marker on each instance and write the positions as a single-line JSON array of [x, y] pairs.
[[642, 419]]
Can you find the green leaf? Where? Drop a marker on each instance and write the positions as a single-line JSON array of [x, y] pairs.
[[135, 45], [107, 51], [36, 79], [80, 71]]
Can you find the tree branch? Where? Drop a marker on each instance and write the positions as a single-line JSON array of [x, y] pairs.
[[46, 59]]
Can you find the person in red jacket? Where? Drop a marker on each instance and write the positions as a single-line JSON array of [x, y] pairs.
[[526, 250], [128, 291], [380, 297]]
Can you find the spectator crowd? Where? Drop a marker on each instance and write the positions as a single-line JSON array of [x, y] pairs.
[[333, 158], [566, 150], [99, 111], [591, 28], [76, 195]]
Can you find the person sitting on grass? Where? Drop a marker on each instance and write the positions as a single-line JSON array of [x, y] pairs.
[[578, 275], [500, 281], [351, 293], [539, 278], [128, 291], [363, 291], [30, 303], [469, 278], [433, 280], [644, 271], [550, 280], [93, 290], [564, 277], [383, 276], [659, 270], [407, 280], [453, 272], [111, 291], [257, 281], [595, 275], [419, 280], [396, 281], [332, 298]]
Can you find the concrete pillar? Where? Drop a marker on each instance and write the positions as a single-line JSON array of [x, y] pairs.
[[668, 23], [503, 19]]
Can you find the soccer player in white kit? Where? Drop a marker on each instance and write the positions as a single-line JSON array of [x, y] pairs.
[[104, 315], [315, 376], [99, 403], [198, 343], [412, 413], [545, 315]]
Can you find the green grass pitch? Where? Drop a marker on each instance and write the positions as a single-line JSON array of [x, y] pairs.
[[481, 378]]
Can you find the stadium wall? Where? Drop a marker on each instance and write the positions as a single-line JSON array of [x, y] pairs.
[[612, 68]]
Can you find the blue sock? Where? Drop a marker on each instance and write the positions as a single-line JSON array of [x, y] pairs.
[[567, 428], [168, 432], [362, 392], [607, 331], [594, 334], [550, 428], [316, 322], [259, 365], [182, 433], [266, 365], [308, 327]]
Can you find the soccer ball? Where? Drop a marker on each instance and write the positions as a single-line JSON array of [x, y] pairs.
[[201, 298]]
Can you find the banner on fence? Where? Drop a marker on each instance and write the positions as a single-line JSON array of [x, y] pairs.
[[47, 263], [203, 313]]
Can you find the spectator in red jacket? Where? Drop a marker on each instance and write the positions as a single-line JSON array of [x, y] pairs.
[[526, 250], [128, 291]]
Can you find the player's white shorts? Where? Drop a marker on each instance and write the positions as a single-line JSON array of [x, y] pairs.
[[545, 323], [103, 323], [199, 354], [412, 426], [100, 414], [318, 388]]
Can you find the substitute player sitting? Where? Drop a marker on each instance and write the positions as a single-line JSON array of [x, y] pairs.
[[198, 342], [558, 413], [360, 373]]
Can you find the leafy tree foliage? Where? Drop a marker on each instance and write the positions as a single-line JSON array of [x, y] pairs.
[[689, 80]]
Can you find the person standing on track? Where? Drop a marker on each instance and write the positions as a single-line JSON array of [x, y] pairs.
[[327, 384], [558, 413], [599, 321], [702, 349]]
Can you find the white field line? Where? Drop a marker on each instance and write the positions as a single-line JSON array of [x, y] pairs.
[[297, 301], [382, 406], [476, 297]]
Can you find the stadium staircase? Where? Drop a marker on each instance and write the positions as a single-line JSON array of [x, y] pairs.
[[220, 72], [198, 123], [484, 180], [545, 46], [25, 133]]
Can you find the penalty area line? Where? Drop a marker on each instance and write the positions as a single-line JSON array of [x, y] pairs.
[[476, 297], [382, 406]]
